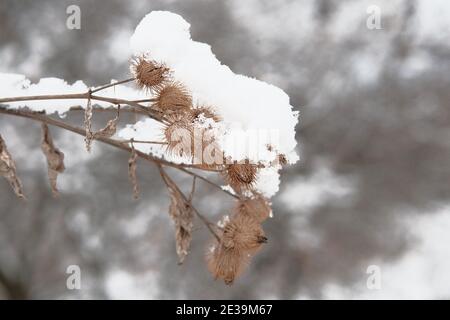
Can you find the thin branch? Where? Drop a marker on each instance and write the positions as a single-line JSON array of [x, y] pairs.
[[145, 100], [142, 141], [112, 84], [88, 95], [111, 109]]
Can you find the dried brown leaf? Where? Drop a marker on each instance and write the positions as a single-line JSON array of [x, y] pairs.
[[149, 74], [55, 158], [8, 170], [88, 125], [182, 214], [109, 130], [132, 172]]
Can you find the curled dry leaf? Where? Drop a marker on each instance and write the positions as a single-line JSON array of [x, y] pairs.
[[179, 137], [241, 176], [8, 170], [109, 130], [88, 125], [55, 158], [182, 214], [132, 172]]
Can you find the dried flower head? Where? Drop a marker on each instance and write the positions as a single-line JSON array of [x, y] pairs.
[[205, 111], [207, 152], [226, 264], [242, 236], [241, 176], [243, 233], [185, 139], [179, 136], [89, 136], [257, 208], [148, 73], [173, 98], [182, 213]]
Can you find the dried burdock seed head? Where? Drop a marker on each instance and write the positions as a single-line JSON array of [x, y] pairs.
[[182, 215], [185, 139], [179, 137], [242, 236], [207, 152], [173, 98], [109, 130], [226, 264], [148, 73], [243, 233], [241, 176], [257, 208]]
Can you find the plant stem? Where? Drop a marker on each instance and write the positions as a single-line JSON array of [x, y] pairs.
[[111, 85], [88, 95], [118, 144]]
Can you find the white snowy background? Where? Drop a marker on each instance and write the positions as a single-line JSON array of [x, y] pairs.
[[371, 188]]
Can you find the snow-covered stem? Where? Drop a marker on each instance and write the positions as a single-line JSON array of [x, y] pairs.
[[115, 143], [123, 109], [87, 95], [142, 141]]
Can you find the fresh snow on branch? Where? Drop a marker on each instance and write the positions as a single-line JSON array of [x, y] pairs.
[[245, 104], [255, 114], [17, 85]]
